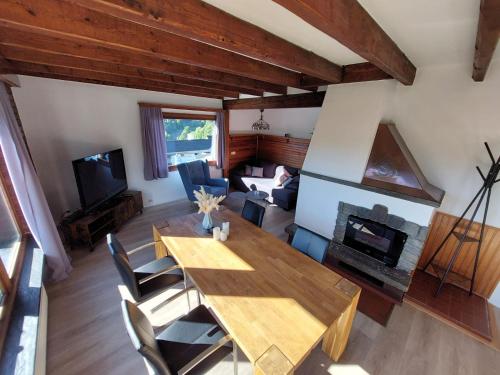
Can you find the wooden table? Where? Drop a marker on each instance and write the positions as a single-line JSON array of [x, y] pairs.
[[275, 302]]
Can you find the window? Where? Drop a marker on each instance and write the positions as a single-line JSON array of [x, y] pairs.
[[9, 244], [189, 137]]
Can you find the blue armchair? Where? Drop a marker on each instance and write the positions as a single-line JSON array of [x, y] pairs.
[[196, 174]]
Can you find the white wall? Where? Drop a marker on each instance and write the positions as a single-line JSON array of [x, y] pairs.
[[299, 122], [495, 297], [64, 121], [444, 118], [340, 148], [346, 127], [320, 198]]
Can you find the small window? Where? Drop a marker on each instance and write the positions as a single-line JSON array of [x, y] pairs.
[[189, 139], [9, 243]]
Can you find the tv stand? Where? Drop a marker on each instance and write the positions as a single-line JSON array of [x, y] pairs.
[[88, 229]]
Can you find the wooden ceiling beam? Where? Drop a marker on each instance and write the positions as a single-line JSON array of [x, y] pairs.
[[314, 99], [351, 25], [361, 72], [69, 21], [107, 83], [23, 68], [86, 50], [188, 116], [179, 106], [19, 54], [200, 21], [488, 32]]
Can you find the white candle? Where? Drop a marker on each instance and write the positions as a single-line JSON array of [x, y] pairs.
[[223, 236], [216, 233], [225, 227]]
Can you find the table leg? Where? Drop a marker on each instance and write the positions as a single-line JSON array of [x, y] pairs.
[[273, 362], [336, 337], [160, 248]]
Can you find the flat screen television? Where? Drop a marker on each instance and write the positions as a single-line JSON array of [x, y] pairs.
[[100, 177]]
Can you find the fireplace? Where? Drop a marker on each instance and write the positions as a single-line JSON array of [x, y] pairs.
[[382, 245], [375, 239]]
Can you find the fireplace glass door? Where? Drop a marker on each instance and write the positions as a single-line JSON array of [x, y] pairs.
[[375, 239]]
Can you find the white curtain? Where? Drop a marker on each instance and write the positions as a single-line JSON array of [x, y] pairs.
[[29, 191]]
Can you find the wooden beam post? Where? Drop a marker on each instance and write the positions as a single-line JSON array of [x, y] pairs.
[[488, 32], [350, 24]]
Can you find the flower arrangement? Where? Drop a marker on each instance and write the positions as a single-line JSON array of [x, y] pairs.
[[206, 203]]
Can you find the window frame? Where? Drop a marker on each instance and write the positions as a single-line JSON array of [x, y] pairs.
[[189, 116], [10, 277]]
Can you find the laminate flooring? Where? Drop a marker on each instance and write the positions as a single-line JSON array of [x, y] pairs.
[[86, 334]]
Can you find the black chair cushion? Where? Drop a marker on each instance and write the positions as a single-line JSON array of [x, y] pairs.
[[187, 337], [253, 212], [160, 282], [142, 335]]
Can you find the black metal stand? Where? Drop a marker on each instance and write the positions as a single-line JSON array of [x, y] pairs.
[[485, 190]]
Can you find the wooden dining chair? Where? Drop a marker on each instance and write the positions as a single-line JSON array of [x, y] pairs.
[[253, 212], [149, 280], [311, 244], [193, 343]]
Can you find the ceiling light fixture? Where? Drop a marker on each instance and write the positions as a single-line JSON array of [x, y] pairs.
[[260, 124]]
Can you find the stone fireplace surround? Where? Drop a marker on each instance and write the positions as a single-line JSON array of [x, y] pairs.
[[399, 276]]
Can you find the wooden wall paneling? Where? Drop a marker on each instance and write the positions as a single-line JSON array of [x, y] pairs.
[[242, 147], [488, 271], [283, 150]]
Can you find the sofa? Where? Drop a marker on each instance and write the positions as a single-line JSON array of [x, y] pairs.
[[283, 196], [196, 174]]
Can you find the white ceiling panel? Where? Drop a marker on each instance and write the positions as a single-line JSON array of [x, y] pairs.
[[430, 32]]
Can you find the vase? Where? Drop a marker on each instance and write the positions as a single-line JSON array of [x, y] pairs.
[[207, 221]]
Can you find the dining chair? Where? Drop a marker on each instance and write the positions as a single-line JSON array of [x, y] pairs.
[[149, 280], [193, 343], [310, 243], [253, 212]]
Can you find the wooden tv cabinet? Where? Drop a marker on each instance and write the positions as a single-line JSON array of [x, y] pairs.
[[87, 229]]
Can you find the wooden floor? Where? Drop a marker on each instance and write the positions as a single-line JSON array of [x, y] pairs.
[[86, 334]]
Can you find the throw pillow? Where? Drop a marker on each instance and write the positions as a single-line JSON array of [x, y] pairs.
[[293, 171], [257, 172], [269, 168], [287, 181], [248, 170], [281, 175]]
